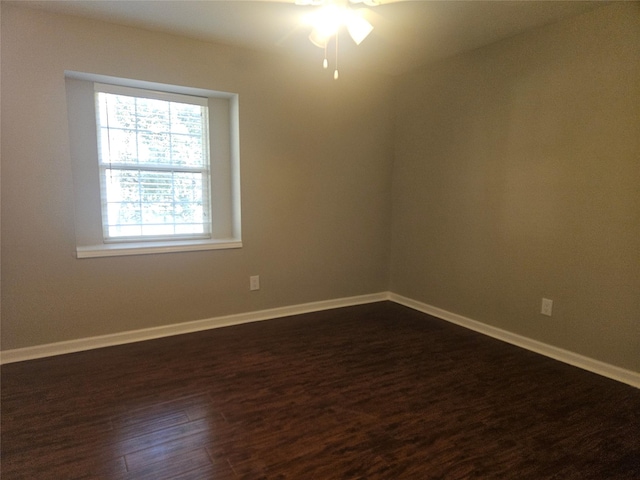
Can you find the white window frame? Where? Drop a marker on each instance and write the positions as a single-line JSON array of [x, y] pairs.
[[224, 184]]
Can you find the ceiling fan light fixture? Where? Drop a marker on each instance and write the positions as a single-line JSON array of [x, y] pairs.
[[318, 39], [327, 20]]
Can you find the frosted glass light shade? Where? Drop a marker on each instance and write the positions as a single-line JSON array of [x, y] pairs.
[[318, 39], [358, 28]]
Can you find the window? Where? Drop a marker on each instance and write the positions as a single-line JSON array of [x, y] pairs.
[[145, 177], [153, 152]]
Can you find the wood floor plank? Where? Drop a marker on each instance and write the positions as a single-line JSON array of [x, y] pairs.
[[376, 391], [170, 467], [216, 433]]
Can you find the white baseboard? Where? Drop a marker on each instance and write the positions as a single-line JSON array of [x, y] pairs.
[[595, 366], [81, 344]]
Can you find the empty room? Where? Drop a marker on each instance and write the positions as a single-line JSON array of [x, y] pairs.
[[320, 239]]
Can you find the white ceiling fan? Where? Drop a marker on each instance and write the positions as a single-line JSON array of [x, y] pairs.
[[327, 19]]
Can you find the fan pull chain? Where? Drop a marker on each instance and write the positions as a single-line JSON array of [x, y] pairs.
[[335, 73], [325, 62]]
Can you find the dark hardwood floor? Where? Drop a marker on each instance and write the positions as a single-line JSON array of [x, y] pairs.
[[373, 392]]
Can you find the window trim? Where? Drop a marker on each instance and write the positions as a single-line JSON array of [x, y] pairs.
[[152, 247], [225, 209]]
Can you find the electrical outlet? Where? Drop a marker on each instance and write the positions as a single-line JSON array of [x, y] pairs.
[[547, 306], [254, 282]]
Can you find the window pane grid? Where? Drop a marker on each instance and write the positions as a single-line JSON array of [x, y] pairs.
[[158, 203], [154, 168]]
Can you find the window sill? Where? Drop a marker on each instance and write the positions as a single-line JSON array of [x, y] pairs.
[[145, 248]]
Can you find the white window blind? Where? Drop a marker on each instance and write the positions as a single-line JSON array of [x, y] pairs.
[[153, 153]]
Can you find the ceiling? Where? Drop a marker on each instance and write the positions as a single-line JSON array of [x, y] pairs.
[[406, 35]]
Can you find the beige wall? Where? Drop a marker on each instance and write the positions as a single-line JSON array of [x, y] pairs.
[[517, 177], [315, 173]]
